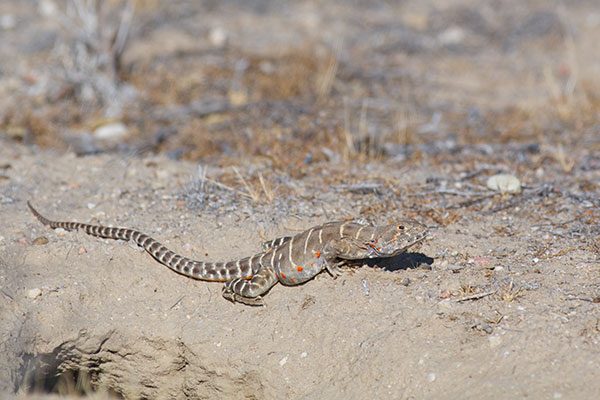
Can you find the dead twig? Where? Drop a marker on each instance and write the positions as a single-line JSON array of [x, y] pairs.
[[476, 296], [361, 188], [449, 192]]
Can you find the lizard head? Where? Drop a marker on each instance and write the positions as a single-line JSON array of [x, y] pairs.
[[390, 240]]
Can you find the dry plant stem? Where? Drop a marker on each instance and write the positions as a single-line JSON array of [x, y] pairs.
[[561, 157], [251, 192], [449, 192], [266, 188], [203, 180], [228, 188], [328, 77], [362, 124], [365, 187], [476, 296], [350, 149]]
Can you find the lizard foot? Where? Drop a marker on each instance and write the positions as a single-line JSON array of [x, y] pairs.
[[335, 270]]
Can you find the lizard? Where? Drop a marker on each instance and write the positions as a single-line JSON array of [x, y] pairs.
[[289, 260]]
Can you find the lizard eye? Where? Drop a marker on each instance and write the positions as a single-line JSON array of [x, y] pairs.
[[401, 227]]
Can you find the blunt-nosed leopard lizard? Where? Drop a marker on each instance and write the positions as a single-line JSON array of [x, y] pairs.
[[291, 260]]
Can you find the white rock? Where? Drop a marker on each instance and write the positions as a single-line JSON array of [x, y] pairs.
[[218, 37], [111, 132], [47, 8], [504, 183], [33, 293], [452, 35]]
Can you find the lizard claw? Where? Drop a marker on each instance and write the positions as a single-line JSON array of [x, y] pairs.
[[334, 270], [250, 301], [236, 298]]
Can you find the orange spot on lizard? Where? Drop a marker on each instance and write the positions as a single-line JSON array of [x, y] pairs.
[[299, 268], [318, 254]]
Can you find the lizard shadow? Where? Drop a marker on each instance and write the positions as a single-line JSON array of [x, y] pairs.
[[397, 262]]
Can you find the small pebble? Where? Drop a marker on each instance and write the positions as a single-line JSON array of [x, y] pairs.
[[40, 241], [218, 37], [452, 36], [47, 8], [365, 287], [484, 327], [504, 183], [283, 361], [481, 260], [431, 377], [114, 131], [455, 268], [33, 293]]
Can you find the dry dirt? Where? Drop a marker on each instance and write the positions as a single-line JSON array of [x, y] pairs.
[[246, 121]]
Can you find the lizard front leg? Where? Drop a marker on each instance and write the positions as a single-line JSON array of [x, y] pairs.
[[249, 291], [338, 251], [332, 253]]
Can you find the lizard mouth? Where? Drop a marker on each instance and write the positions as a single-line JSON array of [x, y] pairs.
[[416, 239]]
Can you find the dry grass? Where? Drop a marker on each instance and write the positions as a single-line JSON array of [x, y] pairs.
[[360, 141], [300, 106], [509, 293], [266, 193], [91, 59], [325, 79]]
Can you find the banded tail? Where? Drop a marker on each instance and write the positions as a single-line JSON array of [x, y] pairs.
[[208, 271]]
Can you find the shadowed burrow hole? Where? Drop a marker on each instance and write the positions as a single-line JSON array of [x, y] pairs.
[[49, 374]]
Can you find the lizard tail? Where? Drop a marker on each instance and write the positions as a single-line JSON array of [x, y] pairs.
[[208, 271]]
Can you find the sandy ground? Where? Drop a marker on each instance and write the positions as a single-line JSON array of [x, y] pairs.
[[424, 104], [78, 303]]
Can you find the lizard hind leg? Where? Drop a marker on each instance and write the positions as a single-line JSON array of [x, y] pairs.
[[249, 291]]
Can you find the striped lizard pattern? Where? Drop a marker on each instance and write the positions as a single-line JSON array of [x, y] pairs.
[[290, 260]]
